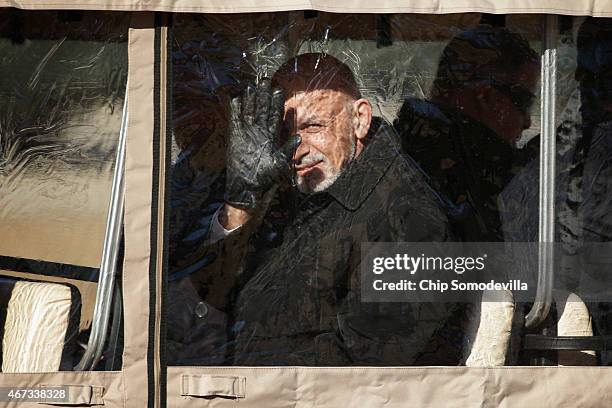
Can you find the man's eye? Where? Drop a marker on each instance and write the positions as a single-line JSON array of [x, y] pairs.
[[313, 127]]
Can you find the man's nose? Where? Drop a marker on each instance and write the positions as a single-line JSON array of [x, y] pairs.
[[526, 120], [301, 151]]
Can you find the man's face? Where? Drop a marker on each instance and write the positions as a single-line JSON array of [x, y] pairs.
[[506, 108], [323, 119]]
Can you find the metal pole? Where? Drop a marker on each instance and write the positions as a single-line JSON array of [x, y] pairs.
[[108, 267], [543, 298]]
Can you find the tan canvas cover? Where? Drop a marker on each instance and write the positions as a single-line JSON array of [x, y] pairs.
[[139, 164], [600, 8], [389, 387], [126, 388]]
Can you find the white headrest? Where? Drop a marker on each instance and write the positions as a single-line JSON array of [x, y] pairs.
[[37, 319]]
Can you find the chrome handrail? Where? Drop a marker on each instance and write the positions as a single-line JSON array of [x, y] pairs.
[[108, 266], [546, 236]]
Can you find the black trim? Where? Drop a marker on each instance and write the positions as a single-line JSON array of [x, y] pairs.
[[310, 14], [83, 273], [154, 214], [577, 343], [495, 20], [164, 284], [383, 31]]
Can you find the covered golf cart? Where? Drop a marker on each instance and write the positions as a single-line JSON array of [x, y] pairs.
[[133, 135]]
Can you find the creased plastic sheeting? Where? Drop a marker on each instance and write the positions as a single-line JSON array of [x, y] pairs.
[[64, 80], [412, 129], [584, 163]]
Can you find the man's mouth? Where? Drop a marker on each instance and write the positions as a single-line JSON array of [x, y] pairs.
[[304, 169]]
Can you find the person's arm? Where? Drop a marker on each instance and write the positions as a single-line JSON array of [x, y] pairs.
[[255, 165]]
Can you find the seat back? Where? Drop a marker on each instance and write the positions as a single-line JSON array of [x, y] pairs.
[[40, 325], [491, 324], [573, 319], [495, 323]]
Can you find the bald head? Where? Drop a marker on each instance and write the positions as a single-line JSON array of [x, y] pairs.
[[316, 71]]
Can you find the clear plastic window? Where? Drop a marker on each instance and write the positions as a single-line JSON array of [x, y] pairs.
[[302, 137], [62, 94]]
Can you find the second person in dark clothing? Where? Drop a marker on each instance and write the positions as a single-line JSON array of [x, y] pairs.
[[464, 138]]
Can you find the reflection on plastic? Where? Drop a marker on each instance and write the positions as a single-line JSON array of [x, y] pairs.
[[64, 83], [426, 134], [61, 111]]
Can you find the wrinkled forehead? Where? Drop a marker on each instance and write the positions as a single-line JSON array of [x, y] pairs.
[[323, 103], [307, 77]]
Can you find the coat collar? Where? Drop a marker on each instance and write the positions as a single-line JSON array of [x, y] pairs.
[[362, 175]]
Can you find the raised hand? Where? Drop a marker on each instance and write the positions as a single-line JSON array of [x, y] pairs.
[[254, 162]]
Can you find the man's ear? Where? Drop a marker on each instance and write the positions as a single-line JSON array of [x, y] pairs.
[[362, 118]]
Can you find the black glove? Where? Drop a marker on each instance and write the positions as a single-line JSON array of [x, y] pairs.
[[254, 163]]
